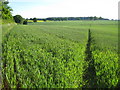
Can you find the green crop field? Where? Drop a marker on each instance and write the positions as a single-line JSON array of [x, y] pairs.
[[61, 54]]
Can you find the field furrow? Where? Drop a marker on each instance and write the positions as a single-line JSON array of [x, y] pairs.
[[61, 55]]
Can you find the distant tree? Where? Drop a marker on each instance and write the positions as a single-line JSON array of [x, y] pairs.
[[25, 22], [44, 20], [34, 19], [95, 18], [66, 18], [18, 19], [31, 19], [27, 19], [100, 18], [91, 18]]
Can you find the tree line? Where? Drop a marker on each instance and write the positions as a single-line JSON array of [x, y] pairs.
[[75, 18], [69, 18], [6, 15]]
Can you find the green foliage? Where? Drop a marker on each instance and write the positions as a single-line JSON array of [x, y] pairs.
[[44, 20], [75, 18], [46, 60], [18, 19], [52, 55], [6, 14], [25, 22], [34, 19], [6, 11], [106, 64], [105, 55], [0, 9]]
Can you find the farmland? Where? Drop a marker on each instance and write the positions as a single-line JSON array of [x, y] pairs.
[[61, 54]]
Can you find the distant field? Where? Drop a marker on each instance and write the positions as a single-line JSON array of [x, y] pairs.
[[61, 54], [38, 21]]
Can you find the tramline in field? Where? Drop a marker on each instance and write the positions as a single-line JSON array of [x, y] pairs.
[[61, 55]]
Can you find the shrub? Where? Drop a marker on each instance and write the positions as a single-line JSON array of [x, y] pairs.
[[25, 22]]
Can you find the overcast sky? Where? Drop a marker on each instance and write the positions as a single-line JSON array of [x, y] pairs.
[[65, 8]]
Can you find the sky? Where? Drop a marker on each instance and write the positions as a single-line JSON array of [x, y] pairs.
[[65, 8]]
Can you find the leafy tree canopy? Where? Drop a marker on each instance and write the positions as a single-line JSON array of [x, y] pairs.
[[34, 19], [6, 10], [18, 19]]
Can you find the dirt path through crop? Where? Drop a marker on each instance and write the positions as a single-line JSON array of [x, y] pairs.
[[90, 74]]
